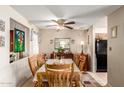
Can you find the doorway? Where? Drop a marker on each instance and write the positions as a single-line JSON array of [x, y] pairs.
[[101, 52]]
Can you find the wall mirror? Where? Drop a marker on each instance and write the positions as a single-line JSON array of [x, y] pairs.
[[62, 43]]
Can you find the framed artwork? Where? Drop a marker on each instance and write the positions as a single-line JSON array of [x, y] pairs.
[[19, 41], [2, 41], [31, 35], [51, 41], [72, 41], [62, 43], [114, 32], [88, 39], [2, 25]]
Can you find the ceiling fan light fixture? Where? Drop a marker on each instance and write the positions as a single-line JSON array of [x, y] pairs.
[[60, 28]]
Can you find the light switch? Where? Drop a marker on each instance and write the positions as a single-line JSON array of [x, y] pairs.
[[110, 48]]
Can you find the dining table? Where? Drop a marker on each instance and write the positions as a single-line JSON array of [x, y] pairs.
[[76, 76]]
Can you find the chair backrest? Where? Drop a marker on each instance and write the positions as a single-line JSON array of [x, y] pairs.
[[53, 55], [60, 67], [40, 60], [33, 64], [77, 59], [59, 75], [82, 57], [82, 61]]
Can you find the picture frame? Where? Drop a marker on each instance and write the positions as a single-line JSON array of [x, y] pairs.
[[2, 41], [51, 41], [72, 41], [58, 43], [31, 36], [2, 25], [19, 41], [88, 39], [114, 32]]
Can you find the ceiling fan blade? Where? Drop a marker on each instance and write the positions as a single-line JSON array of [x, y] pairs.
[[71, 22], [68, 27], [50, 25], [55, 21]]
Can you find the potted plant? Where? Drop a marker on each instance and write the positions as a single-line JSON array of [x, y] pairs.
[[60, 52]]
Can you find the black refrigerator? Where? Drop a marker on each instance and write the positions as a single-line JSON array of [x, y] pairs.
[[101, 55]]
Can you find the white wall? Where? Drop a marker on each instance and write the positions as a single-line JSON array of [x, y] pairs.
[[101, 25], [90, 47], [101, 30], [116, 56], [47, 35], [15, 73], [98, 27]]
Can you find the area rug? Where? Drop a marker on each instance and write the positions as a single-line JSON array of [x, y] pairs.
[[88, 81]]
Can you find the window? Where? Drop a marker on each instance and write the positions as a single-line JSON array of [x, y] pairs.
[[35, 43]]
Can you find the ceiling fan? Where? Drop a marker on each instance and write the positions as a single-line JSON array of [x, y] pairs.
[[61, 24]]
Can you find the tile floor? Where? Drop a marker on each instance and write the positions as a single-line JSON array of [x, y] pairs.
[[100, 77]]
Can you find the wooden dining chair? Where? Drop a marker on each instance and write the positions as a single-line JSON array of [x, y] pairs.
[[77, 59], [82, 61], [39, 80], [40, 60], [59, 75], [33, 64]]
